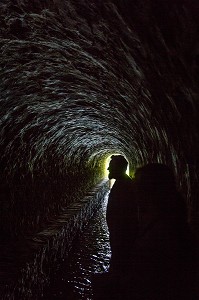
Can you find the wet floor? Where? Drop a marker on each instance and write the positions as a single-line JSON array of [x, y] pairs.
[[90, 254]]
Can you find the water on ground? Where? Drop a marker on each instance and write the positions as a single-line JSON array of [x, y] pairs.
[[90, 254]]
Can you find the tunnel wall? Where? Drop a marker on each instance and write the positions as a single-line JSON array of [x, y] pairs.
[[81, 80]]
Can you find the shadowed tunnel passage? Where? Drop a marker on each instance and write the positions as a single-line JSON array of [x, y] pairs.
[[81, 80]]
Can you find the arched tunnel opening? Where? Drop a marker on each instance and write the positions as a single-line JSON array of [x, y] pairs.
[[80, 81]]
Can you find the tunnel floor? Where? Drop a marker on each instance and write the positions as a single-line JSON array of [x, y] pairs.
[[90, 254]]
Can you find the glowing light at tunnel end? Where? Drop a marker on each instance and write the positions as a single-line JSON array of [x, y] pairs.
[[107, 161]]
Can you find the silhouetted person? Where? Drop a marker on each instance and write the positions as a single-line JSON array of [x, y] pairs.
[[122, 223], [163, 260], [121, 214]]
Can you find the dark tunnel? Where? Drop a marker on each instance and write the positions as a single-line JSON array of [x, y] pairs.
[[81, 80]]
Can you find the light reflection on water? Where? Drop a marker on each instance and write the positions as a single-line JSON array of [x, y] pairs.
[[91, 254]]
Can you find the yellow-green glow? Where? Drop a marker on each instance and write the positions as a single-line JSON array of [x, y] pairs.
[[127, 170], [107, 161]]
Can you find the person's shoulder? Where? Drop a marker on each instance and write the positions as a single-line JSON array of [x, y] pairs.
[[128, 185], [129, 181]]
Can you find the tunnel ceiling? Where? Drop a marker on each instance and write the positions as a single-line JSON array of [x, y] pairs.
[[83, 79]]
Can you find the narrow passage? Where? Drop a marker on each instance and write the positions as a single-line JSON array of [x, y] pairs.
[[90, 254]]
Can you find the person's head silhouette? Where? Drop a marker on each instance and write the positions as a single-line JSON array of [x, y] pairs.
[[156, 178], [117, 167], [156, 187]]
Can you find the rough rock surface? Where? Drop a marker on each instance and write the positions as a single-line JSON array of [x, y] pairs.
[[81, 80]]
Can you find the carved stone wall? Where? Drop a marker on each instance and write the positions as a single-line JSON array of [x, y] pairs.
[[81, 80]]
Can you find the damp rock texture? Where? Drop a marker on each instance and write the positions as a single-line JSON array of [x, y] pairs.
[[81, 80]]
